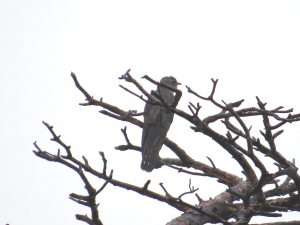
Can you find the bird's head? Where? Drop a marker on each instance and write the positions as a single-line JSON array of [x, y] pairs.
[[170, 81]]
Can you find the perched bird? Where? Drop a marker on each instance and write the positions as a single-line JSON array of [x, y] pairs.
[[157, 121]]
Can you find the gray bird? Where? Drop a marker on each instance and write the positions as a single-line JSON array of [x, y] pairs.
[[157, 121]]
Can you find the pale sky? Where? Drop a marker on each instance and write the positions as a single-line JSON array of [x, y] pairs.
[[252, 47]]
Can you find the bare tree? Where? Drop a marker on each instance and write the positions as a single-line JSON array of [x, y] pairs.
[[223, 207]]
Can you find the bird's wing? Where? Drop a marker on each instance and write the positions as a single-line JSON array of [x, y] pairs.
[[157, 121], [152, 141], [150, 113]]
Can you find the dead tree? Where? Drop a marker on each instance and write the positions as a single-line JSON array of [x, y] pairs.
[[223, 207]]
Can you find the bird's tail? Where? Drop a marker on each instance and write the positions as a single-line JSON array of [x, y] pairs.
[[150, 150], [148, 160]]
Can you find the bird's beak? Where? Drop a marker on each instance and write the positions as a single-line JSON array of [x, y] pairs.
[[178, 83]]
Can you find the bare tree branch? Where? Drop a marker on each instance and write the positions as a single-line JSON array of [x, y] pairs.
[[222, 207]]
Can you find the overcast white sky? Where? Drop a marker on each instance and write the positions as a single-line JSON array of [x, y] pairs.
[[252, 47]]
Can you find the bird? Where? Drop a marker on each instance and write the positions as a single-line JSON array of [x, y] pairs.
[[157, 121]]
